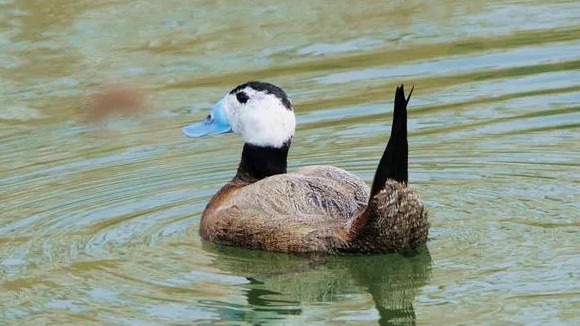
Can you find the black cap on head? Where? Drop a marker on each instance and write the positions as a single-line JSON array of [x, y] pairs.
[[266, 88]]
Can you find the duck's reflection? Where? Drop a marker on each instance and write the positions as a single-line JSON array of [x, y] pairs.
[[281, 286]]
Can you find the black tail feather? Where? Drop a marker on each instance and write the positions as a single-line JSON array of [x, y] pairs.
[[394, 162]]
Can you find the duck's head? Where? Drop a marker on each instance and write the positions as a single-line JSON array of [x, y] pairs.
[[260, 113]]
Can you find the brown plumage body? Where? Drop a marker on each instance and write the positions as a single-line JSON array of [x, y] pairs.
[[315, 209]]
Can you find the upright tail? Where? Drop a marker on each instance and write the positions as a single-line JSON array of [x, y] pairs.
[[395, 219], [394, 162]]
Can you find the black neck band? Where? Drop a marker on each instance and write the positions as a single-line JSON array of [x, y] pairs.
[[261, 162]]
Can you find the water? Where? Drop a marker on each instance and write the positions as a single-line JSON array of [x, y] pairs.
[[98, 226]]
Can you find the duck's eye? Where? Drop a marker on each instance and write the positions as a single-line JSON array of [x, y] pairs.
[[242, 97], [209, 119]]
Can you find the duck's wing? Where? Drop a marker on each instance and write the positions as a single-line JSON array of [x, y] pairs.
[[342, 181], [325, 191]]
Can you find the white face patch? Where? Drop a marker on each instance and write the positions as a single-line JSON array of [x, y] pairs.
[[262, 121]]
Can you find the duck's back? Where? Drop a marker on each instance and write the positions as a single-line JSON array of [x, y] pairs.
[[327, 192], [297, 211]]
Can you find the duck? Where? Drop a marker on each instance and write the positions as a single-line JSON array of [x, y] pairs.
[[314, 209]]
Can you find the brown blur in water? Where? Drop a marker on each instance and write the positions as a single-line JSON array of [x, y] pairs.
[[117, 99]]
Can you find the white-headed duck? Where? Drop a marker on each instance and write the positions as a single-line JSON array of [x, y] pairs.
[[313, 209]]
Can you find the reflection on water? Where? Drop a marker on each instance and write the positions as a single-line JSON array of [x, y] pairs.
[[99, 225], [282, 287]]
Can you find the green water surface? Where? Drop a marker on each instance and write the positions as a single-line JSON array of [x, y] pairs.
[[99, 225]]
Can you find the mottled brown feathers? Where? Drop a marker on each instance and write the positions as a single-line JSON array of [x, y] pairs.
[[313, 209], [397, 221]]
